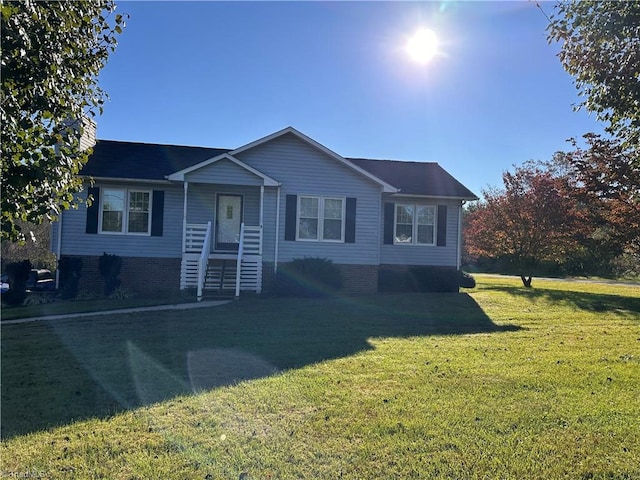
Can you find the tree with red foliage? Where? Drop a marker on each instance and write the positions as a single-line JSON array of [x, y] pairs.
[[530, 220], [606, 179]]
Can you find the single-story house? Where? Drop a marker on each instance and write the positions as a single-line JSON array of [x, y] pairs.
[[190, 217]]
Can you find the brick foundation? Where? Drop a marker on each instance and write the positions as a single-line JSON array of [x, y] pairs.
[[143, 275], [358, 279], [417, 278], [268, 277], [155, 276]]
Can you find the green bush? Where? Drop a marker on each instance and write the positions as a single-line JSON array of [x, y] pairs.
[[422, 280], [466, 280], [18, 273], [70, 271], [308, 277], [109, 266]]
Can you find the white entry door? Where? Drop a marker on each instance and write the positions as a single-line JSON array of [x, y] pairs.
[[228, 220]]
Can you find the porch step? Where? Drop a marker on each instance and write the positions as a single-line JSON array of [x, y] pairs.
[[221, 275]]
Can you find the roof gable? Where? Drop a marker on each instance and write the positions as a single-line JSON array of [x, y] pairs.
[[386, 187], [221, 159]]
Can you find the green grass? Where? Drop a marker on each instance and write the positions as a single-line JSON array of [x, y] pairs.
[[499, 382], [60, 307]]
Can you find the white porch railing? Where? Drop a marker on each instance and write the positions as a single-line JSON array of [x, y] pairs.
[[194, 237], [197, 271], [249, 263], [239, 261], [203, 261]]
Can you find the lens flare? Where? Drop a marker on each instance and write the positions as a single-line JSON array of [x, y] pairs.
[[422, 46]]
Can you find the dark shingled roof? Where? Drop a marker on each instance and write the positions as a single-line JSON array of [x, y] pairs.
[[147, 161], [416, 178]]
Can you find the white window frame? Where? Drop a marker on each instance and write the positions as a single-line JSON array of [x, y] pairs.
[[126, 211], [321, 206], [414, 226]]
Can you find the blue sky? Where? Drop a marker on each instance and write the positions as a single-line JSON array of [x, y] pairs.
[[222, 74]]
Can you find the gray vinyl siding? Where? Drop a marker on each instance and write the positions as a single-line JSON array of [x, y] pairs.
[[269, 227], [301, 169], [224, 171], [424, 254], [304, 170], [201, 203], [76, 242]]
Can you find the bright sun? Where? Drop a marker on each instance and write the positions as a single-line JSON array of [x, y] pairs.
[[422, 46]]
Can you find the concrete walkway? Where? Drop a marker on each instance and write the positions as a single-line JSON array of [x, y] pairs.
[[155, 308]]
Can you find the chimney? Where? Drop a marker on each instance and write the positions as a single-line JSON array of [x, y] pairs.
[[86, 129], [88, 137]]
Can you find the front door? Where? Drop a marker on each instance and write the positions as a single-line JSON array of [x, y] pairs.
[[228, 220]]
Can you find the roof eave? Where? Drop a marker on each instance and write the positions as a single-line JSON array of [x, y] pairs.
[[94, 178], [437, 197]]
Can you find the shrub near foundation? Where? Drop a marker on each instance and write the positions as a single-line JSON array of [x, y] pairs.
[[18, 273], [70, 269], [424, 280], [109, 267], [308, 277]]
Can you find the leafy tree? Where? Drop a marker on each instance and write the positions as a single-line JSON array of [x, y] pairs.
[[36, 247], [52, 53], [605, 178], [601, 49], [530, 220]]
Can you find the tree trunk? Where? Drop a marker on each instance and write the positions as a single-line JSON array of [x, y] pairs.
[[526, 281]]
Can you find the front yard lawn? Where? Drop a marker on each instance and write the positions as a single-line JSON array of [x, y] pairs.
[[65, 307], [499, 382]]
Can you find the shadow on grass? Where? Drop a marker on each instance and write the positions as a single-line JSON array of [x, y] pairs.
[[590, 302], [54, 373]]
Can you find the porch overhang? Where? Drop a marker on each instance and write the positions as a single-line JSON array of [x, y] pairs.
[[180, 176]]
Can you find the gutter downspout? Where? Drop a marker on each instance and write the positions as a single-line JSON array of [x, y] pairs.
[[277, 243], [459, 252], [59, 248], [184, 217], [261, 215]]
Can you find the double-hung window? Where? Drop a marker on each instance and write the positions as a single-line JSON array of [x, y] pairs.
[[414, 224], [321, 218], [125, 211]]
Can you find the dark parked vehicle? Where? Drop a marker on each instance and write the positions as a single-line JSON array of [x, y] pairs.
[[40, 280]]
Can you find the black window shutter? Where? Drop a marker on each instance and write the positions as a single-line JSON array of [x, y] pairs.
[[93, 211], [442, 226], [350, 221], [290, 217], [157, 213], [388, 223]]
